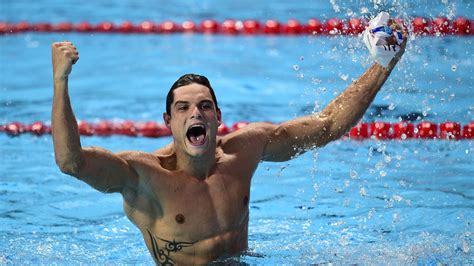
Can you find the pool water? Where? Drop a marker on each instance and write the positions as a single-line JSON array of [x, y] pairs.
[[370, 202]]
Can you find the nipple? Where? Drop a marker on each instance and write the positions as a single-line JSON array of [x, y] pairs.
[[179, 218]]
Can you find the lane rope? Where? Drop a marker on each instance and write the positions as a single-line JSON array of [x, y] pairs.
[[364, 130], [439, 26]]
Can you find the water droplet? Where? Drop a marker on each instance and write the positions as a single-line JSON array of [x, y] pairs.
[[363, 192], [344, 241], [453, 67], [296, 67], [353, 174], [383, 173], [371, 213], [396, 217], [344, 76], [397, 198], [465, 247], [302, 58], [346, 203]]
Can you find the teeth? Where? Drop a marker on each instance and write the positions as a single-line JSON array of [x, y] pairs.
[[193, 126]]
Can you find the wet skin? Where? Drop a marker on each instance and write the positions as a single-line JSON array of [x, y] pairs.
[[209, 211], [190, 199]]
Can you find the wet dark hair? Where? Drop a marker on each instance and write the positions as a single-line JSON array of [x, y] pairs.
[[186, 80]]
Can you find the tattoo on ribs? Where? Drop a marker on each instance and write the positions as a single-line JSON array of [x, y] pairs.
[[162, 254]]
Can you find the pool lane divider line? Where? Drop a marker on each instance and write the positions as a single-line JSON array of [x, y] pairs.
[[364, 130], [439, 26]]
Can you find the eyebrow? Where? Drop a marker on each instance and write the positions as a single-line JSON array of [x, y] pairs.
[[206, 101], [186, 102], [181, 102]]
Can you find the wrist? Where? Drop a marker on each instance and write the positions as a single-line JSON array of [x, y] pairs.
[[60, 78], [393, 63]]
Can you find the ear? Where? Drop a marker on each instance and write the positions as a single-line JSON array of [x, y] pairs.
[[219, 117], [167, 119]]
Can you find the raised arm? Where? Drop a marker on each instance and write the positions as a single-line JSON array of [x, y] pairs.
[[97, 167], [315, 130]]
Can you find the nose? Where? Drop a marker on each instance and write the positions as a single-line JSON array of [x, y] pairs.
[[196, 114]]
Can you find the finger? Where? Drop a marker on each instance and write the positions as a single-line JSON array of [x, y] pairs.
[[68, 49], [405, 32]]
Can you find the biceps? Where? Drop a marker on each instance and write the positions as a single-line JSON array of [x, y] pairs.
[[105, 171], [295, 137], [281, 146]]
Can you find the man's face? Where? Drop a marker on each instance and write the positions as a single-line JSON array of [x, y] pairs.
[[194, 119]]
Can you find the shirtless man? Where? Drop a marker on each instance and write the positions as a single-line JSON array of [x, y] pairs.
[[190, 199]]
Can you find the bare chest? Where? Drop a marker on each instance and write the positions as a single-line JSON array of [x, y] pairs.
[[178, 206], [197, 210]]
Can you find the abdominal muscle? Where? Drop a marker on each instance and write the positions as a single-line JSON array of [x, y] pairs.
[[169, 251]]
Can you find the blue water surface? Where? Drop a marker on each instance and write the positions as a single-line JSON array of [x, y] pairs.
[[370, 202]]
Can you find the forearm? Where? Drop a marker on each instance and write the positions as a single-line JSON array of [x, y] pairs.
[[67, 145], [348, 108], [316, 130]]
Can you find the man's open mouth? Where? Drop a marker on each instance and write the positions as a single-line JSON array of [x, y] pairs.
[[196, 134]]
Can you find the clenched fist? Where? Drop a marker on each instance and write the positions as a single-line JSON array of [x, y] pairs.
[[64, 56]]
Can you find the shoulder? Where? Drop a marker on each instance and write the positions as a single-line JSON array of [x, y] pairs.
[[137, 156], [255, 134]]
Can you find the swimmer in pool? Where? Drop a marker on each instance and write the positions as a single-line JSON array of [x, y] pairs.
[[190, 199]]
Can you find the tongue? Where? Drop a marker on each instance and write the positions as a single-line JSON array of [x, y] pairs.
[[197, 140]]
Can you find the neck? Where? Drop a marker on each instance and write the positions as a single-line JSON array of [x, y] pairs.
[[199, 167]]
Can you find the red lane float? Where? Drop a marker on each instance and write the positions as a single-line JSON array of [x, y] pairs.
[[360, 131], [403, 130], [209, 26], [314, 27], [334, 26], [231, 26], [293, 26], [271, 27], [355, 26], [439, 26], [374, 130], [381, 130]]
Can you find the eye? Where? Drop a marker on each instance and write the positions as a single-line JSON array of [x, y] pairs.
[[206, 106], [182, 107]]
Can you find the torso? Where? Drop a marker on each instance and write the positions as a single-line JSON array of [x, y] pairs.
[[185, 220]]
